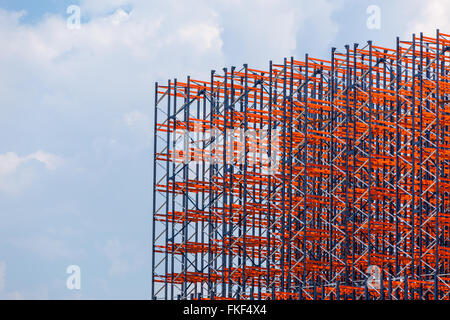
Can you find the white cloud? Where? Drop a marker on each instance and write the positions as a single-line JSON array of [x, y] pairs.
[[119, 17], [203, 33], [256, 31], [97, 7], [430, 15], [13, 179], [112, 60], [10, 161], [150, 33], [51, 161]]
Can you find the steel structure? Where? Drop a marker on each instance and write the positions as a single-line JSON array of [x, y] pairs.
[[336, 186]]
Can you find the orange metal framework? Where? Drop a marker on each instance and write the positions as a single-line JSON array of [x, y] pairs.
[[354, 206]]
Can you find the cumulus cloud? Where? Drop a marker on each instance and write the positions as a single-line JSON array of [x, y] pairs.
[[107, 67], [50, 161], [257, 31], [13, 179], [431, 15], [10, 161], [112, 60], [98, 7], [119, 17]]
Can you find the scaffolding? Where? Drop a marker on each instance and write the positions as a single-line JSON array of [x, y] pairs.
[[316, 179]]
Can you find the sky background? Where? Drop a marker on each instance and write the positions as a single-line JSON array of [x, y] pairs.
[[76, 110]]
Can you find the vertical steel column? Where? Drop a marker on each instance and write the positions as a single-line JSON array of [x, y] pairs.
[[397, 149], [347, 152], [211, 196], [291, 111], [413, 148], [166, 258], [331, 177], [225, 170], [155, 144], [244, 236], [173, 177], [283, 186], [269, 184], [438, 207], [369, 197], [305, 174]]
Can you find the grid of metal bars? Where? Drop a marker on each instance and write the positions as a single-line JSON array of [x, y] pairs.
[[350, 201]]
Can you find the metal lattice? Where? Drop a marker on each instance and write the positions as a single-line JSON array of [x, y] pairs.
[[313, 180]]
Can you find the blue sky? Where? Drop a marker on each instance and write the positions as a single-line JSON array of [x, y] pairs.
[[76, 117]]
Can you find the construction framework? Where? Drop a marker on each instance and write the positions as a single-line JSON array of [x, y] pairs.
[[315, 179]]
